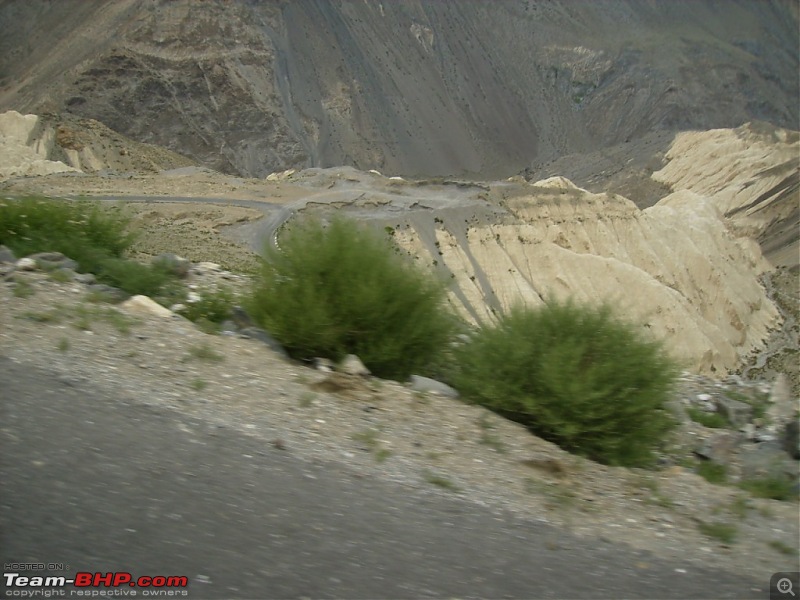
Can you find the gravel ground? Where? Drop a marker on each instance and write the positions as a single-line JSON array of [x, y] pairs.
[[383, 429]]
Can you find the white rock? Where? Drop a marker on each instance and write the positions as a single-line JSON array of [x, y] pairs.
[[352, 365], [26, 264], [193, 297], [142, 305]]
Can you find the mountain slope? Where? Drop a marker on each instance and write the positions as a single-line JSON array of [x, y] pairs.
[[415, 87]]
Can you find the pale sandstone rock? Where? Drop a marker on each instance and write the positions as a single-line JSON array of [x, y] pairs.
[[142, 305]]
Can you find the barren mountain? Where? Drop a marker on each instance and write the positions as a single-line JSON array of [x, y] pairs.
[[470, 88]]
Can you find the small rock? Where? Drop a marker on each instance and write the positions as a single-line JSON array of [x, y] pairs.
[[85, 278], [177, 265], [719, 447], [26, 264], [6, 255], [193, 297], [323, 364], [352, 365], [426, 384], [142, 305], [737, 413]]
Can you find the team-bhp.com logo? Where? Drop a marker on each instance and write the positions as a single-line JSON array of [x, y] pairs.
[[91, 584]]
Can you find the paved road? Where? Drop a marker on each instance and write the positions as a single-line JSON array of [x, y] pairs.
[[104, 484]]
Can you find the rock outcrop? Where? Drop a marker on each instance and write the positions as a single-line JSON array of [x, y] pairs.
[[674, 268]]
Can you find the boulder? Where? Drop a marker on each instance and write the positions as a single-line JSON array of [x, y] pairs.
[[426, 384], [26, 264], [50, 261], [145, 306], [352, 365]]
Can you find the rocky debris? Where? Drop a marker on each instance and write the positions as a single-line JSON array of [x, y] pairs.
[[752, 437], [418, 383]]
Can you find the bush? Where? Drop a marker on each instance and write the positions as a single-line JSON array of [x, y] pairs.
[[214, 307], [81, 230], [95, 237], [342, 289], [575, 375]]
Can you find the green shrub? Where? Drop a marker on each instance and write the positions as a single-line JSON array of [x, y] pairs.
[[95, 236], [133, 277], [575, 375], [342, 289], [712, 472], [712, 420], [214, 307], [84, 231], [775, 488]]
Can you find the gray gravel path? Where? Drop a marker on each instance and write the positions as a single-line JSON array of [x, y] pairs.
[[105, 485]]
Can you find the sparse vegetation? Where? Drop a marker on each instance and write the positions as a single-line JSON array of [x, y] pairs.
[[198, 385], [95, 236], [214, 307], [343, 289], [724, 532], [775, 488], [440, 481], [575, 375], [712, 420], [781, 547], [205, 352], [23, 289], [712, 472], [63, 345]]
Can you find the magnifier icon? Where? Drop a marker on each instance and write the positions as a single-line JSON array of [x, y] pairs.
[[785, 586]]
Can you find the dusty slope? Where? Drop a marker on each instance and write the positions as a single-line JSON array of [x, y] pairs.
[[409, 87]]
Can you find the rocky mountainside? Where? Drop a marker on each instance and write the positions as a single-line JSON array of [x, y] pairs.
[[477, 88]]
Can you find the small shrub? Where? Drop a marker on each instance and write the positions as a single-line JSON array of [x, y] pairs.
[[774, 488], [712, 472], [214, 307], [343, 289], [440, 481], [574, 375], [198, 385], [205, 352], [724, 532], [84, 231], [60, 275], [133, 277], [712, 420], [23, 289], [781, 547], [95, 236], [63, 345]]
